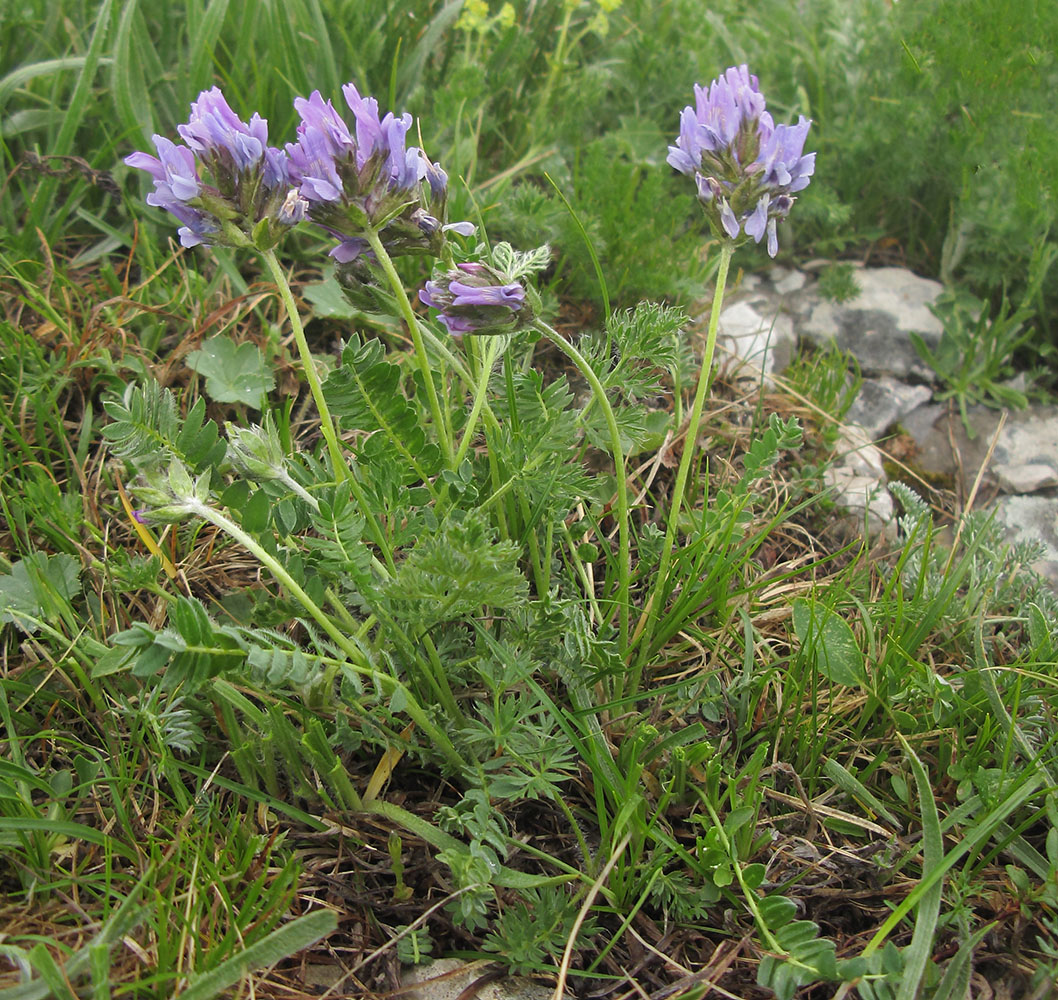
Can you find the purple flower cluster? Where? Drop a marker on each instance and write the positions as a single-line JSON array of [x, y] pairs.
[[346, 182], [370, 180], [477, 299], [746, 167], [250, 200]]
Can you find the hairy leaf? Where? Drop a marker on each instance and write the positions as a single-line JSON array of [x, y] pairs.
[[454, 573], [146, 429], [364, 392]]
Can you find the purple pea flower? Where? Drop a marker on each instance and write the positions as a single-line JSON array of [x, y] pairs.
[[249, 201], [745, 167], [368, 179], [477, 299]]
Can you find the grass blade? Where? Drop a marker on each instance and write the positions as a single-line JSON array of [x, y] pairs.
[[280, 944], [921, 948], [204, 44]]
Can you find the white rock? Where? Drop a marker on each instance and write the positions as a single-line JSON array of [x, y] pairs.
[[447, 978], [875, 326], [1033, 519], [1027, 478], [861, 495], [766, 342], [856, 453], [1026, 455], [785, 281], [883, 402]]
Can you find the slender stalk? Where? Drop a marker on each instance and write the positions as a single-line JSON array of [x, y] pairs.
[[653, 609], [341, 467], [421, 356], [624, 568], [749, 895], [479, 398], [558, 58], [342, 471], [347, 645]]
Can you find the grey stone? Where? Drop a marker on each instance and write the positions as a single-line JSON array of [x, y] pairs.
[[861, 495], [447, 978], [1026, 455], [785, 281], [883, 402], [875, 326], [935, 429], [858, 482], [1033, 519], [765, 341], [1025, 458]]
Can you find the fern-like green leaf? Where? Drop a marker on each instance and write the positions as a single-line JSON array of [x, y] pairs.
[[364, 392], [337, 547], [455, 573], [147, 430]]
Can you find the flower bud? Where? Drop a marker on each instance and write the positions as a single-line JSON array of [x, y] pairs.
[[477, 299]]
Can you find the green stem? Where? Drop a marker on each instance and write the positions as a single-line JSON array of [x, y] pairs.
[[557, 61], [582, 573], [748, 894], [420, 348], [479, 398], [624, 568], [341, 468], [342, 641], [342, 472], [690, 441]]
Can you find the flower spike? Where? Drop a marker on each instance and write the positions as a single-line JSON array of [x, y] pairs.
[[367, 178], [248, 203], [745, 167]]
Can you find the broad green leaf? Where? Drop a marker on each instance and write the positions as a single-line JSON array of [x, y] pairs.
[[32, 585], [829, 643], [328, 300], [234, 373]]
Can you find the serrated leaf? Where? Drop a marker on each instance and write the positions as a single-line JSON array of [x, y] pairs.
[[234, 373], [829, 643]]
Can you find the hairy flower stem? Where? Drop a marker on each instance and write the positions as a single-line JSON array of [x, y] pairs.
[[441, 424], [624, 561], [341, 468], [480, 392], [342, 472], [645, 629], [342, 641]]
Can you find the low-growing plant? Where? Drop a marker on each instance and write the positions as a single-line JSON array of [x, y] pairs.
[[975, 356], [473, 627]]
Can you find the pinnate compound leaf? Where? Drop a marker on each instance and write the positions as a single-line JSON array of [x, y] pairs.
[[146, 429], [234, 373], [364, 391], [337, 546], [454, 573]]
